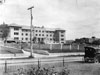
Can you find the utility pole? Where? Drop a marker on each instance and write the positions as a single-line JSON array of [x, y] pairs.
[[31, 43]]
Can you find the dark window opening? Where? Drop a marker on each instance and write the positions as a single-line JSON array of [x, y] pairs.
[[16, 33]]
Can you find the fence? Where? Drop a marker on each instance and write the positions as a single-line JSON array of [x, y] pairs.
[[51, 47], [57, 47], [58, 67], [11, 69]]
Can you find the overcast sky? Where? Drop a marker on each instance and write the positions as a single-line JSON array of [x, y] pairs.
[[80, 18]]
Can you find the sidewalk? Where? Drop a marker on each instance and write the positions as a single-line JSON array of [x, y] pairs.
[[65, 54], [19, 56]]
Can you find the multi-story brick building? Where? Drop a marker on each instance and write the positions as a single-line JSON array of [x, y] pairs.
[[46, 35]]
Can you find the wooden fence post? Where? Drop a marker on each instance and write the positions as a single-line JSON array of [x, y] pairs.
[[5, 66], [70, 47], [50, 46], [61, 46], [63, 62], [39, 64], [78, 47]]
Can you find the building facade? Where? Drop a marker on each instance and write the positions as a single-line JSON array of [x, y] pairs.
[[39, 34]]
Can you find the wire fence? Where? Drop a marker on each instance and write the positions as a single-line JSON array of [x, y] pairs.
[[37, 68], [60, 67]]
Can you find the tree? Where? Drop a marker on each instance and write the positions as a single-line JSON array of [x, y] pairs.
[[96, 42], [82, 40], [5, 31], [34, 40]]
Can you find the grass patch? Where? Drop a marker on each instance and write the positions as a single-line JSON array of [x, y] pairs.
[[9, 50]]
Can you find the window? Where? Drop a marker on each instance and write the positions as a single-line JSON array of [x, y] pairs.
[[22, 38], [47, 34], [16, 33], [1, 31], [16, 28], [23, 30], [38, 39], [62, 35], [39, 30], [16, 38], [39, 34], [26, 38], [62, 32], [36, 30], [62, 42], [62, 39], [26, 34], [50, 39], [36, 34], [42, 34], [42, 31], [50, 35], [22, 33]]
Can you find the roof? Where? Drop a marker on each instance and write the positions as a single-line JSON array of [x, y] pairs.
[[50, 29], [54, 29], [59, 29], [28, 27], [20, 26], [14, 25], [25, 27]]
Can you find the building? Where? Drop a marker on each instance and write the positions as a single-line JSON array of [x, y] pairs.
[[41, 34], [1, 33]]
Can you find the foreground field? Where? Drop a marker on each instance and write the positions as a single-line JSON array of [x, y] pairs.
[[73, 68], [74, 65], [79, 68]]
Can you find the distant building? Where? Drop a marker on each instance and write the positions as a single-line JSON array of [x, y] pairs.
[[1, 41], [68, 42], [93, 39], [46, 35], [1, 33], [59, 36]]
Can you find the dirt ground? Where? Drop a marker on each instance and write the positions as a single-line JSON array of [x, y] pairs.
[[78, 68]]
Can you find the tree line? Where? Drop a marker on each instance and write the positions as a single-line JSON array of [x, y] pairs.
[[4, 29]]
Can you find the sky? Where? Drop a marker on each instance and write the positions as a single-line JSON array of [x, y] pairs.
[[80, 18]]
